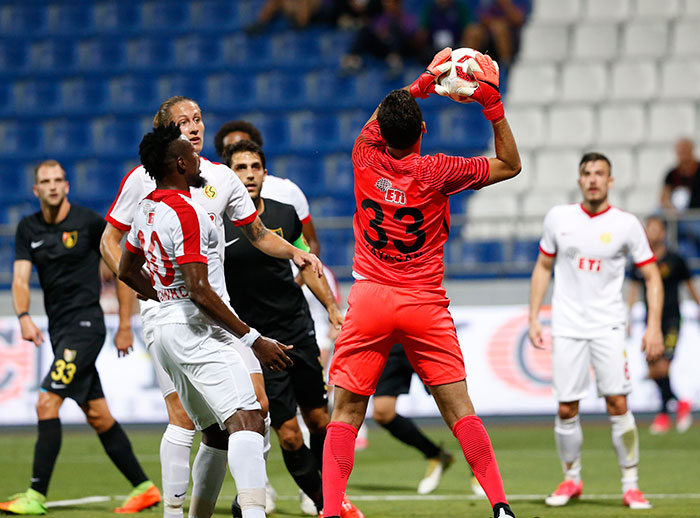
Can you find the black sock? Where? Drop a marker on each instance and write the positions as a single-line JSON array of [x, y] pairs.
[[407, 432], [666, 392], [118, 447], [48, 444], [302, 467], [316, 440]]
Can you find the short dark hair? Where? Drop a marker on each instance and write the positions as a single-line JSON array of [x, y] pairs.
[[233, 126], [162, 117], [400, 119], [240, 147], [593, 156], [48, 163], [154, 149]]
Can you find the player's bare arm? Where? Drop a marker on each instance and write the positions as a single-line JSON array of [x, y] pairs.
[[131, 272], [539, 282], [653, 340], [506, 165], [309, 232], [693, 291], [270, 352], [22, 271], [322, 291], [273, 245]]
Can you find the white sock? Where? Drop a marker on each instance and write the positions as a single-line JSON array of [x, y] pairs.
[[175, 468], [266, 444], [625, 439], [208, 473], [569, 438], [247, 465]]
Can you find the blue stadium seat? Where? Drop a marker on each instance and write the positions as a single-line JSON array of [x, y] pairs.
[[118, 134], [369, 92], [213, 15], [303, 171], [525, 251], [52, 55], [151, 53], [240, 50], [197, 51], [22, 19], [274, 129], [108, 54], [338, 174], [63, 137], [463, 126], [279, 89], [35, 96], [95, 179], [311, 132], [164, 15], [476, 252], [19, 139], [324, 87], [337, 246], [229, 91], [329, 206], [132, 93], [7, 102], [82, 95], [12, 213], [350, 124], [70, 19], [332, 45], [13, 55], [19, 176], [117, 15], [291, 50], [181, 84]]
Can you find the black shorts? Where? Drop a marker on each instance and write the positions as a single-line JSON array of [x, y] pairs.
[[73, 373], [302, 384], [396, 378], [670, 331]]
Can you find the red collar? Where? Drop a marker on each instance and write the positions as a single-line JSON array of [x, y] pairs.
[[160, 194], [591, 215]]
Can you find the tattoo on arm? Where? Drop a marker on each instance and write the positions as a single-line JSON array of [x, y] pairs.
[[255, 231]]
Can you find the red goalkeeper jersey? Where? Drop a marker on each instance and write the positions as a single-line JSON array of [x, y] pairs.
[[403, 218]]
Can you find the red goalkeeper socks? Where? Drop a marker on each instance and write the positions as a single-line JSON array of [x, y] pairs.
[[477, 449], [338, 458]]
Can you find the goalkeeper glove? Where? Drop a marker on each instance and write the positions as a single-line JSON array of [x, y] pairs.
[[425, 84], [487, 94]]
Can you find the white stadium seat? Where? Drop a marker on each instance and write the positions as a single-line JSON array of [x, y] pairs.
[[634, 80], [653, 163], [544, 43], [521, 183], [570, 126], [657, 9], [529, 126], [608, 10], [595, 41], [557, 169], [621, 124], [691, 8], [645, 39], [670, 121], [532, 84], [502, 206], [642, 202], [537, 203], [556, 10], [686, 38], [587, 82], [680, 79]]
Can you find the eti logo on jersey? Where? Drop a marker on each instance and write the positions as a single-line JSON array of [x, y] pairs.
[[391, 194], [588, 264]]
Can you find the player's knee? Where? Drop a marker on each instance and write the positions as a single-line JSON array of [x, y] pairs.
[[568, 410], [617, 405], [316, 419], [215, 437], [382, 416], [290, 436], [47, 407], [176, 412]]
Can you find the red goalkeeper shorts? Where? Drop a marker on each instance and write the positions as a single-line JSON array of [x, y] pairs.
[[380, 316]]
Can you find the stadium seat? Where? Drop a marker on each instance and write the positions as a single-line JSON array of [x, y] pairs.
[[523, 182], [680, 79], [165, 15], [333, 44], [291, 50], [94, 178], [570, 126], [670, 121], [691, 8], [149, 53], [565, 11], [324, 87], [666, 10], [181, 84], [69, 19], [537, 204], [584, 82], [332, 206], [645, 39], [13, 55], [130, 93], [491, 214], [213, 15], [237, 49], [104, 53], [338, 173], [529, 126], [51, 55], [35, 96], [653, 163], [278, 89], [642, 201], [111, 134], [557, 170], [82, 95], [312, 132], [350, 124], [462, 127], [686, 38], [117, 16], [634, 80], [526, 251], [368, 91], [18, 137], [621, 124], [22, 18], [608, 10], [195, 51], [544, 43], [66, 137], [595, 41], [304, 171], [228, 91], [533, 84]]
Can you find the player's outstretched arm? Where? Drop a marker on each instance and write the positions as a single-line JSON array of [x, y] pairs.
[[22, 271], [322, 291], [653, 341], [538, 287], [270, 352], [271, 244], [131, 272], [506, 165]]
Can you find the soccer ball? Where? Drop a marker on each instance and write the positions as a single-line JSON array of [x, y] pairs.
[[459, 82]]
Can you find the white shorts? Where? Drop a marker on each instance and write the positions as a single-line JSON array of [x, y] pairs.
[[206, 370], [167, 386], [572, 359]]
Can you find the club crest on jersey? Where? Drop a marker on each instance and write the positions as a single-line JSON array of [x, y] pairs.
[[210, 191], [150, 217], [277, 231], [70, 238], [212, 217], [606, 237], [70, 355], [390, 193]]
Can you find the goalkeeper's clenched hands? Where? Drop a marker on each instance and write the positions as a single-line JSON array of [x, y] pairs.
[[425, 84]]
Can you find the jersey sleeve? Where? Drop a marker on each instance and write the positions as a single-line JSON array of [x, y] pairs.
[[639, 245], [132, 243], [299, 202], [97, 227], [239, 206], [22, 238], [548, 243], [453, 174], [189, 241], [367, 143], [683, 270], [131, 191]]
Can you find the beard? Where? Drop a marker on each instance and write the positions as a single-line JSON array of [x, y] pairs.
[[199, 182]]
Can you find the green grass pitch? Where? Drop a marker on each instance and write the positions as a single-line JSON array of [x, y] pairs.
[[386, 474]]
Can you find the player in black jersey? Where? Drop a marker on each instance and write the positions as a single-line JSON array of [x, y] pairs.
[[62, 242], [674, 272], [263, 292]]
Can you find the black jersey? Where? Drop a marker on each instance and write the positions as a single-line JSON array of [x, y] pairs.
[[67, 257], [262, 288], [674, 271]]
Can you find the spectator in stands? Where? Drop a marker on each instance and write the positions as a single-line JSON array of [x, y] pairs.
[[298, 12], [351, 14], [443, 23], [681, 190], [390, 36], [497, 28]]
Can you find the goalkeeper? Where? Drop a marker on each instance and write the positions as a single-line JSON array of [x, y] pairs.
[[401, 226]]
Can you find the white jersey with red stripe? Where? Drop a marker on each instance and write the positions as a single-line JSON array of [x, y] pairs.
[[284, 190], [591, 254], [169, 229]]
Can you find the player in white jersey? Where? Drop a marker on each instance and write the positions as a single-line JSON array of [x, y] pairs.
[[586, 244], [224, 196], [194, 328]]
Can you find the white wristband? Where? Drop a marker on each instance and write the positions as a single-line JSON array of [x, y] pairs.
[[249, 338]]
